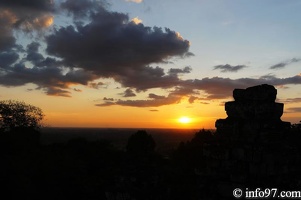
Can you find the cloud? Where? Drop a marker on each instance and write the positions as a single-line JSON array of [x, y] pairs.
[[219, 88], [83, 8], [294, 110], [51, 79], [8, 58], [214, 88], [108, 99], [27, 15], [292, 100], [96, 85], [24, 15], [170, 99], [107, 45], [136, 20], [192, 99], [176, 71], [112, 46], [129, 93], [7, 20], [99, 43], [229, 68], [34, 5], [33, 54], [154, 96], [284, 64], [134, 1], [154, 110], [57, 92]]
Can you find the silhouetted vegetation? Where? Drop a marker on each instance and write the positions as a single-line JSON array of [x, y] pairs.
[[15, 115], [140, 143], [208, 166], [83, 169]]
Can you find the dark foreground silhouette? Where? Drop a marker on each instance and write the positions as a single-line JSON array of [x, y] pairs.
[[206, 167], [243, 153]]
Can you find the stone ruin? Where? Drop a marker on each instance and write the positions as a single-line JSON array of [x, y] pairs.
[[252, 147], [253, 111]]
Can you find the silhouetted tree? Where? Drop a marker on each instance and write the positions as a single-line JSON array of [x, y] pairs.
[[140, 143], [16, 115]]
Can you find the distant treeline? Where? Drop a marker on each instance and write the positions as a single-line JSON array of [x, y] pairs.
[[83, 169]]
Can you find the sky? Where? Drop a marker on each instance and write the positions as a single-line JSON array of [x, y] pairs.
[[147, 63]]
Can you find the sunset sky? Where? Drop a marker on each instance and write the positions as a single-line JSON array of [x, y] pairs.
[[147, 63]]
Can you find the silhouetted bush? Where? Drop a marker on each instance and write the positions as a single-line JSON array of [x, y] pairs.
[[16, 114], [140, 143]]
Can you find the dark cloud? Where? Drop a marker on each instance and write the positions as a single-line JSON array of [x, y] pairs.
[[113, 46], [229, 68], [51, 79], [96, 85], [7, 40], [129, 93], [192, 99], [27, 15], [8, 58], [154, 96], [176, 71], [170, 99], [184, 90], [83, 8], [284, 64], [108, 99], [154, 110], [146, 78], [57, 92], [107, 45], [33, 55], [219, 88], [214, 88], [44, 5]]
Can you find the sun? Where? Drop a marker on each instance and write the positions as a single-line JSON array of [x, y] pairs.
[[184, 120]]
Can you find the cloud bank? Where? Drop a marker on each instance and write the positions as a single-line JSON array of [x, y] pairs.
[[106, 45], [99, 43]]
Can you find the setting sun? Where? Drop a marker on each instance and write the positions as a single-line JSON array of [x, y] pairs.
[[184, 120]]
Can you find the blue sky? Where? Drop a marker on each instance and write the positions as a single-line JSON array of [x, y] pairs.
[[91, 52], [258, 34]]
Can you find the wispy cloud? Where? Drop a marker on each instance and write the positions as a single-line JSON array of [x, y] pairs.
[[229, 68], [284, 64], [171, 99], [294, 110], [292, 100], [216, 88]]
